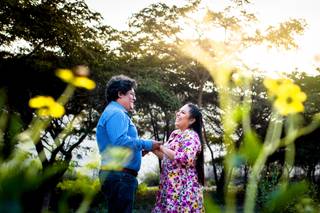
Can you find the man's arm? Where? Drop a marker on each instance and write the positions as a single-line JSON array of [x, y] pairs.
[[117, 130]]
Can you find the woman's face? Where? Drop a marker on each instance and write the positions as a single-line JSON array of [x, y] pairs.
[[183, 120]]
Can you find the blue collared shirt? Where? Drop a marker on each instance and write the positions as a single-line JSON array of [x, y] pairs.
[[115, 128]]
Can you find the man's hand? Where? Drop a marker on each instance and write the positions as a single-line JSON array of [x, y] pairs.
[[156, 145], [158, 153]]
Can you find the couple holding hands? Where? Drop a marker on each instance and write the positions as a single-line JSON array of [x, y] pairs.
[[182, 175]]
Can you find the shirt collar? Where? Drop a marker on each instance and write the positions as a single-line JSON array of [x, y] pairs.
[[119, 106], [179, 131]]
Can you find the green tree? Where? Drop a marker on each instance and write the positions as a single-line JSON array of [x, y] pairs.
[[49, 35]]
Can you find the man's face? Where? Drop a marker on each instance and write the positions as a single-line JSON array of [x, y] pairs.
[[127, 100]]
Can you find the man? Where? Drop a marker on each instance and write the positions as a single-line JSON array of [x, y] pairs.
[[115, 128]]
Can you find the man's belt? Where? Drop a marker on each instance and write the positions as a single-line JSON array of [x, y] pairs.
[[126, 170], [130, 171]]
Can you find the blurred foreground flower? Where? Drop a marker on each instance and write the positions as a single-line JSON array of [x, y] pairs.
[[115, 158], [78, 79], [288, 96], [290, 99], [47, 106], [31, 169], [273, 85]]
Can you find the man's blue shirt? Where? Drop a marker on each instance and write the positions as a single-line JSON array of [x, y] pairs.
[[115, 128]]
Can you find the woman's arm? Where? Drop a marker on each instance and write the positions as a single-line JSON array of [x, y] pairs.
[[164, 150], [168, 152], [158, 153]]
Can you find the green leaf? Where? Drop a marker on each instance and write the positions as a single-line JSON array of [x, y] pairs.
[[237, 113], [284, 195], [115, 157], [251, 146], [15, 127]]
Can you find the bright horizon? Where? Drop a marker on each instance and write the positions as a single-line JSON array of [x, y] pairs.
[[116, 14]]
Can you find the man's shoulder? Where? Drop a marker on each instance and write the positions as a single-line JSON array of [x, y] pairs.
[[112, 110], [109, 112]]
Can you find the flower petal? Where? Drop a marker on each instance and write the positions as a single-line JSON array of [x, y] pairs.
[[40, 101], [56, 110], [65, 74], [84, 82]]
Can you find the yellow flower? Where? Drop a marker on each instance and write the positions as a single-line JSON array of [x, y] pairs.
[[56, 110], [43, 112], [65, 74], [195, 205], [47, 106], [40, 101], [289, 99], [78, 81], [175, 196], [171, 174], [84, 82], [273, 85]]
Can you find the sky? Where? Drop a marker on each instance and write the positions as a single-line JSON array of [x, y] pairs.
[[116, 14]]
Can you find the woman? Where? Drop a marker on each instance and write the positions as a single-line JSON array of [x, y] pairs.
[[182, 175]]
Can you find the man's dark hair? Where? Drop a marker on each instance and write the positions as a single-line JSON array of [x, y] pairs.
[[119, 84]]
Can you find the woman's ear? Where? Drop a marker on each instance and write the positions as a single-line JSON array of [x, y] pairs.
[[191, 121]]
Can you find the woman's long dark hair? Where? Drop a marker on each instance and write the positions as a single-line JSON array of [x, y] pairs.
[[197, 127]]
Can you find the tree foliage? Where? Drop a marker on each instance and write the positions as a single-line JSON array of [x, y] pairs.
[[66, 33]]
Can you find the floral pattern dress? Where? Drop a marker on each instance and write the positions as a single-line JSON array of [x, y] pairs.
[[179, 189]]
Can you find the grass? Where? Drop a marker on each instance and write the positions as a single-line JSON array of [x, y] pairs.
[[145, 199]]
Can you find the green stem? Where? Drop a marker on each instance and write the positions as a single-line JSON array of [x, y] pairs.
[[253, 182], [85, 204], [303, 131], [229, 189], [271, 144], [290, 149], [246, 122], [66, 95], [37, 127], [288, 163], [228, 126]]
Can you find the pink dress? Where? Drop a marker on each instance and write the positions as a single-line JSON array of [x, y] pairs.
[[179, 189]]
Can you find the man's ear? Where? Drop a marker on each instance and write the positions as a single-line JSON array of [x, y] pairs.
[[120, 94]]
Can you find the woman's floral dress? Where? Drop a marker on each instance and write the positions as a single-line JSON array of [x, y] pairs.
[[179, 189]]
